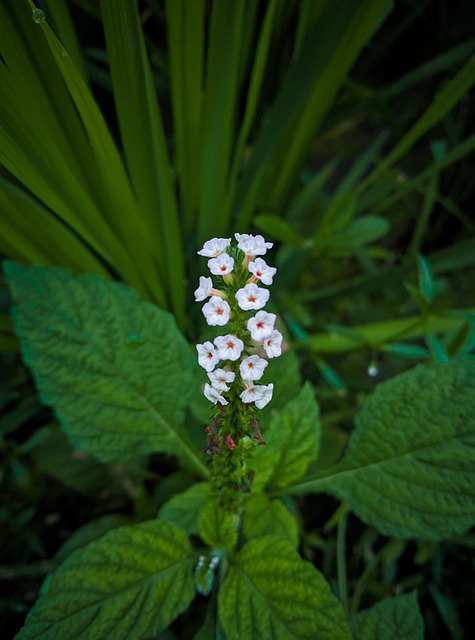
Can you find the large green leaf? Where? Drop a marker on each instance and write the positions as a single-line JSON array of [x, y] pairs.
[[293, 440], [115, 368], [264, 516], [270, 593], [184, 509], [128, 585], [217, 526], [409, 469], [396, 619]]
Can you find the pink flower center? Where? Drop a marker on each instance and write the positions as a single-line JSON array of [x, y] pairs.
[[230, 345], [259, 325], [219, 311], [209, 355], [224, 268], [251, 298]]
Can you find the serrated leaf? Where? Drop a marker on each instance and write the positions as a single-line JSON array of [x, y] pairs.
[[295, 434], [184, 509], [128, 585], [271, 593], [409, 469], [396, 619], [216, 526], [264, 516], [115, 368]]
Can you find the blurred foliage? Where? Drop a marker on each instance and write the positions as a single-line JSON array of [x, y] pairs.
[[347, 141]]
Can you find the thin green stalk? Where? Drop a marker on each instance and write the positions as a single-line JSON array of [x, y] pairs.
[[341, 559]]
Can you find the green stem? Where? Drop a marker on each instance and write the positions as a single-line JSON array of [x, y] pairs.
[[341, 560]]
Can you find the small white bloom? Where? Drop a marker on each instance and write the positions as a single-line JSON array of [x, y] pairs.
[[213, 395], [252, 368], [229, 347], [266, 395], [214, 247], [273, 344], [207, 355], [261, 325], [221, 265], [252, 245], [259, 394], [219, 379], [252, 297], [216, 311], [204, 290], [261, 271]]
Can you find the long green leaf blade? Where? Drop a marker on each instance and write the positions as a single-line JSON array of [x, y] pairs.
[[145, 146]]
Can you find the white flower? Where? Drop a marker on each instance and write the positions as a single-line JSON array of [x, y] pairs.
[[221, 265], [266, 391], [214, 247], [207, 355], [219, 379], [252, 368], [229, 347], [273, 344], [261, 271], [251, 297], [216, 311], [213, 395], [252, 245], [204, 290], [261, 325], [260, 394]]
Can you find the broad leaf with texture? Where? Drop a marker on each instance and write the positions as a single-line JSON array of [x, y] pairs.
[[293, 441], [395, 619], [264, 516], [409, 469], [270, 592], [115, 368], [129, 585]]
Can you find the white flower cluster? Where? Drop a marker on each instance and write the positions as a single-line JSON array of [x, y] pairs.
[[241, 270]]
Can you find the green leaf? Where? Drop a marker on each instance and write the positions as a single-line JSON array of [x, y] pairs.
[[217, 527], [270, 592], [115, 368], [184, 509], [264, 516], [405, 350], [128, 585], [426, 278], [279, 229], [396, 619], [361, 231], [295, 434], [409, 469]]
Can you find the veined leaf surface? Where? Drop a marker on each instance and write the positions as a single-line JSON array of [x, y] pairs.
[[409, 469], [115, 368], [270, 593], [129, 585]]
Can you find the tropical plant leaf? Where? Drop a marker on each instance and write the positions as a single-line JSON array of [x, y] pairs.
[[115, 368], [184, 509], [264, 516], [270, 592], [129, 585], [396, 619], [409, 469], [217, 527], [295, 434]]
